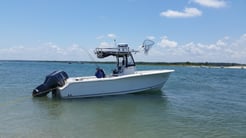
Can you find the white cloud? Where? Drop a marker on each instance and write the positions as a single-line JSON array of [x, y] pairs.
[[56, 49], [222, 50], [46, 51], [167, 43], [243, 37], [211, 3], [151, 37], [105, 45], [112, 36], [187, 13], [106, 41], [220, 43]]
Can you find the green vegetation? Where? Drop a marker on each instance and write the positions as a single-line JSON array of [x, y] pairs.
[[209, 64], [192, 64]]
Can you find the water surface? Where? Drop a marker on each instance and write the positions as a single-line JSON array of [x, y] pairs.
[[195, 102]]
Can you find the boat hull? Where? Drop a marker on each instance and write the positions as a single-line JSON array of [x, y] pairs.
[[132, 83]]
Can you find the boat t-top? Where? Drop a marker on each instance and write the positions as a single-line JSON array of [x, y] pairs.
[[124, 79]]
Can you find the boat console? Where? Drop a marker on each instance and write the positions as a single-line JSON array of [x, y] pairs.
[[125, 62]]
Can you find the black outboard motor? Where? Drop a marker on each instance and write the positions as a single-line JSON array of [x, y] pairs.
[[52, 81]]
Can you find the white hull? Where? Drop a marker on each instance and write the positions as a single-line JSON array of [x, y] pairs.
[[124, 78], [114, 85]]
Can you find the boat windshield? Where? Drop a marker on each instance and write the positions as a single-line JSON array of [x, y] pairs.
[[130, 61]]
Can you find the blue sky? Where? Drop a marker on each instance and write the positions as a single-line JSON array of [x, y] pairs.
[[183, 30]]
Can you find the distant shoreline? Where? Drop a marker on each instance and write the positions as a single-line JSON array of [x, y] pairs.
[[190, 64]]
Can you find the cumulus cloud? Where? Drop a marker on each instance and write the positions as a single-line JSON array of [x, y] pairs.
[[105, 45], [151, 37], [166, 50], [187, 13], [222, 50], [193, 12], [112, 36], [106, 41], [46, 51], [167, 43], [211, 3]]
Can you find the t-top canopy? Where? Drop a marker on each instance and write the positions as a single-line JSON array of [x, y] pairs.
[[120, 51]]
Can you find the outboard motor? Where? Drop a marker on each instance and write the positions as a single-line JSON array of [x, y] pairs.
[[52, 81]]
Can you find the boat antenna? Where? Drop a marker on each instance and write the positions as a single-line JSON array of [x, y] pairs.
[[147, 44], [115, 44]]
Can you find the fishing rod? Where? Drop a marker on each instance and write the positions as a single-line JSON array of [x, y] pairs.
[[91, 58]]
